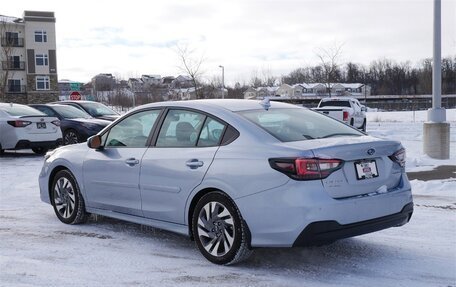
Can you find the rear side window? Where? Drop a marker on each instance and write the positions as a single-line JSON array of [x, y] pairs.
[[182, 128], [298, 124], [335, 104]]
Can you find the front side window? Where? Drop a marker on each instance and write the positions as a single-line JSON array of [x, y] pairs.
[[42, 83], [42, 60], [296, 124], [40, 36], [180, 129], [133, 131]]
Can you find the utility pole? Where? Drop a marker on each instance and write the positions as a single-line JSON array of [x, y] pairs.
[[436, 131], [223, 81]]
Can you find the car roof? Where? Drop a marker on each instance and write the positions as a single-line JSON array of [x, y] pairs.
[[233, 105]]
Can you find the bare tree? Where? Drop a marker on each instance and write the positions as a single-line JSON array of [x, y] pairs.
[[329, 61], [190, 63]]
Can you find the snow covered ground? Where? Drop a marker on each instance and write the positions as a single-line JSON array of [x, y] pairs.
[[37, 250]]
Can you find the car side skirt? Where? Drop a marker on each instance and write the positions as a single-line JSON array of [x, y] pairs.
[[173, 227]]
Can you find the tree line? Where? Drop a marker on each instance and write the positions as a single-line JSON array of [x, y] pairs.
[[385, 77]]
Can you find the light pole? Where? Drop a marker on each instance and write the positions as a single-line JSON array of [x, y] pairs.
[[223, 81]]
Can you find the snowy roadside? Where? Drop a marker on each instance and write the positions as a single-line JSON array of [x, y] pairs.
[[37, 250]]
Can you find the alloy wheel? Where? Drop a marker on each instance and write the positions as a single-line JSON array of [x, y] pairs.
[[216, 228], [64, 197]]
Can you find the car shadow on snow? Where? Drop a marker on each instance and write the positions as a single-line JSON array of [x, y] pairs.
[[20, 153], [344, 256]]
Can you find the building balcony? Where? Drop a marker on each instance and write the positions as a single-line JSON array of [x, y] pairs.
[[13, 65], [12, 42], [16, 89]]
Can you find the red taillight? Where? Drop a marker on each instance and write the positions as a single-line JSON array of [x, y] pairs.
[[345, 115], [399, 157], [306, 168], [19, 123], [56, 123]]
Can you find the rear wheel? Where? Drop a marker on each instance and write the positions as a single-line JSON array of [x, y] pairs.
[[352, 122], [220, 233], [40, 150], [70, 137], [66, 199], [363, 127]]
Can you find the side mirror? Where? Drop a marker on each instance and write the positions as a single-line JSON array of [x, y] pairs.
[[94, 142]]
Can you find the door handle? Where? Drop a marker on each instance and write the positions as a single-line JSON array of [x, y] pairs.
[[194, 163], [132, 161]]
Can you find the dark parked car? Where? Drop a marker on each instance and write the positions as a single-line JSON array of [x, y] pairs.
[[95, 109], [75, 124]]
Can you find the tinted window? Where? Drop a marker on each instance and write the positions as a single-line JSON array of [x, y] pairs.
[[97, 109], [46, 110], [180, 129], [132, 131], [211, 133], [298, 124], [69, 112], [335, 104]]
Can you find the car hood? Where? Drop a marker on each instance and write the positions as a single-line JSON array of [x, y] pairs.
[[109, 117], [99, 122]]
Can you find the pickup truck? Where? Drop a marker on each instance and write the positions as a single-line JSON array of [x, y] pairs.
[[345, 109]]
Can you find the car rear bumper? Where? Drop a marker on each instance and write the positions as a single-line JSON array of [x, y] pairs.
[[283, 216], [26, 144], [324, 232]]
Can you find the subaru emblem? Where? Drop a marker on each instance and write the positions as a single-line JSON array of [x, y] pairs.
[[371, 151]]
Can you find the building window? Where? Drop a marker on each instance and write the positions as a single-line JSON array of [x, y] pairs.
[[40, 36], [42, 60], [42, 83]]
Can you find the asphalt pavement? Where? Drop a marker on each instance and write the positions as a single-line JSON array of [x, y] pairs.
[[441, 172]]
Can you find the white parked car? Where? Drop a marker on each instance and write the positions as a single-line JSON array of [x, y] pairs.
[[23, 127], [345, 109]]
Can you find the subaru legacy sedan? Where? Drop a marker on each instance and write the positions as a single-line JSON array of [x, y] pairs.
[[233, 175]]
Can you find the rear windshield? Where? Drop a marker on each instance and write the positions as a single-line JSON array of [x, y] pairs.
[[20, 110], [298, 124], [69, 112], [335, 104]]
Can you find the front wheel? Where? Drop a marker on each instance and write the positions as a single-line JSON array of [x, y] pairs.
[[219, 231], [67, 199]]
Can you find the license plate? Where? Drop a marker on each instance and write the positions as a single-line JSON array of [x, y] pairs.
[[40, 125], [366, 169]]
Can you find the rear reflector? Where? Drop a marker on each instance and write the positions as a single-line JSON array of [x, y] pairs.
[[19, 123], [306, 168]]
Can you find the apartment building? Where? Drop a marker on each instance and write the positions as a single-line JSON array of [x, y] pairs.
[[28, 71]]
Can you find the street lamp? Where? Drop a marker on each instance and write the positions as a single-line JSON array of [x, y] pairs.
[[223, 81]]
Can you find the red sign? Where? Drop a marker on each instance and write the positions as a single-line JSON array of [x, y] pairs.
[[75, 96]]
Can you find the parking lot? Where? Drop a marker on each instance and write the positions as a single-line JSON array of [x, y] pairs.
[[38, 250]]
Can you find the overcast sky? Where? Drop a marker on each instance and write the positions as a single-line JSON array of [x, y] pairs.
[[131, 38]]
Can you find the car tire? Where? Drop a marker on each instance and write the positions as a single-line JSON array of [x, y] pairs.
[[1, 150], [71, 136], [352, 122], [40, 150], [66, 198], [220, 233], [363, 127]]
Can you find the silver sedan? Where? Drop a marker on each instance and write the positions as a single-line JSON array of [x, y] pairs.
[[233, 175]]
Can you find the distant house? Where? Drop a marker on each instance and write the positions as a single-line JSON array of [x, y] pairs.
[[182, 82], [135, 84], [297, 91], [151, 80], [166, 81], [183, 94]]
